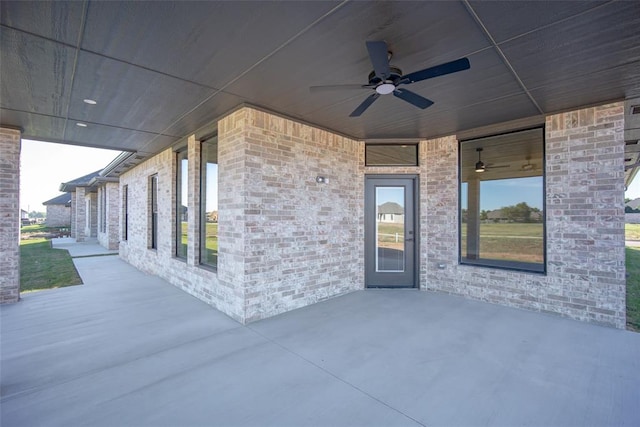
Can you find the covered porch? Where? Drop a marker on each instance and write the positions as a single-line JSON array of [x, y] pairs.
[[127, 348]]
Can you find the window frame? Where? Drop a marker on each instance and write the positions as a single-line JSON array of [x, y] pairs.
[[179, 156], [125, 212], [203, 203], [153, 211], [496, 263], [415, 145]]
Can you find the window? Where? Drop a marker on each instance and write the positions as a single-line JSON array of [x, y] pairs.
[[182, 210], [125, 212], [391, 155], [209, 203], [502, 201], [153, 212]]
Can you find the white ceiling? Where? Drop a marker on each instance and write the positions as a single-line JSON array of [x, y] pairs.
[[161, 70]]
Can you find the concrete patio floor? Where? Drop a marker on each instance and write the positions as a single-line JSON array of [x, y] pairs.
[[129, 349]]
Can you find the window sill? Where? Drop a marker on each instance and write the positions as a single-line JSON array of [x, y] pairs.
[[524, 267]]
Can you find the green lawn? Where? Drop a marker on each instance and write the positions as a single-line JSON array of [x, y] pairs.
[[632, 231], [509, 241], [633, 288], [211, 242], [42, 267]]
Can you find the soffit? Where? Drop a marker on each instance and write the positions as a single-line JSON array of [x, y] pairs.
[[161, 70]]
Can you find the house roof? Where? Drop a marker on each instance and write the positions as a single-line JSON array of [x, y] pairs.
[[634, 204], [63, 199], [83, 181], [130, 57], [390, 208]]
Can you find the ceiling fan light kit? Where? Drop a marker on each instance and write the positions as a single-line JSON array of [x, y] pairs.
[[386, 79], [479, 163]]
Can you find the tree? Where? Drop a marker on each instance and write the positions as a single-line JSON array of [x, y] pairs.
[[34, 214], [484, 215]]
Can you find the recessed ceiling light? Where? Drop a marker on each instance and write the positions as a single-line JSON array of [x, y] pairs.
[[82, 125], [90, 101]]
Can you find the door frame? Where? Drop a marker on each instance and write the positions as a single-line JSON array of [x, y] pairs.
[[416, 227]]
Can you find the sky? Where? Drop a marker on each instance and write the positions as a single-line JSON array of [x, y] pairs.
[[45, 165]]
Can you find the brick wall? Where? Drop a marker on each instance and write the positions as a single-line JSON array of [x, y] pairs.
[[91, 226], [198, 281], [58, 216], [79, 221], [74, 213], [284, 240], [585, 224], [293, 242], [110, 238], [9, 215]]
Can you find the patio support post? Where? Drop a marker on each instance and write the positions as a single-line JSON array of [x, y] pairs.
[[473, 219], [10, 142], [81, 214]]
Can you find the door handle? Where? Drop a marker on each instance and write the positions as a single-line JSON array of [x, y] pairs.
[[408, 240]]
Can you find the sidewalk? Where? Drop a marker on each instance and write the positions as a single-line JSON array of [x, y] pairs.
[[90, 247]]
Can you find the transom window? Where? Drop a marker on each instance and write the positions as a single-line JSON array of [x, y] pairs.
[[502, 217]]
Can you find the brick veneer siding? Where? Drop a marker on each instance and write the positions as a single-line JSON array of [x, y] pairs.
[[110, 238], [290, 241], [9, 215], [58, 216], [80, 218], [74, 212], [91, 229], [585, 224], [284, 240], [198, 281]]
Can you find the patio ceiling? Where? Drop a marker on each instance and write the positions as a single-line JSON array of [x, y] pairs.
[[159, 71]]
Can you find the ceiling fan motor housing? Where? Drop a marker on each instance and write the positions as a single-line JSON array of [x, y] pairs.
[[396, 75]]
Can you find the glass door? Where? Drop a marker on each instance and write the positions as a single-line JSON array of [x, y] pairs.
[[390, 238]]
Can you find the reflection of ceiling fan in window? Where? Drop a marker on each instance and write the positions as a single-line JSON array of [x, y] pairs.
[[481, 166], [529, 167]]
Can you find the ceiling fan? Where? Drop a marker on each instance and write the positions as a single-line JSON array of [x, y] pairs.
[[481, 167], [386, 79]]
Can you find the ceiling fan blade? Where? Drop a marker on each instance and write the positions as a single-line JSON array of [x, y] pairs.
[[365, 104], [328, 88], [413, 98], [438, 70], [379, 55]]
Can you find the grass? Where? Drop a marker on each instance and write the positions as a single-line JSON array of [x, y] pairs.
[[633, 288], [632, 231], [509, 241], [42, 267]]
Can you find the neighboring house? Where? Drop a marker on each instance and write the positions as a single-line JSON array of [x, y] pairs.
[[24, 214], [633, 204], [496, 215], [84, 206], [391, 212], [58, 211]]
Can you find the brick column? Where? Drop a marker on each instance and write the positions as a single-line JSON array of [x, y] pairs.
[[112, 213], [80, 219], [9, 215]]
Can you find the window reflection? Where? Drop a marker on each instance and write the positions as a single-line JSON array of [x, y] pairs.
[[390, 216], [209, 204], [502, 206]]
